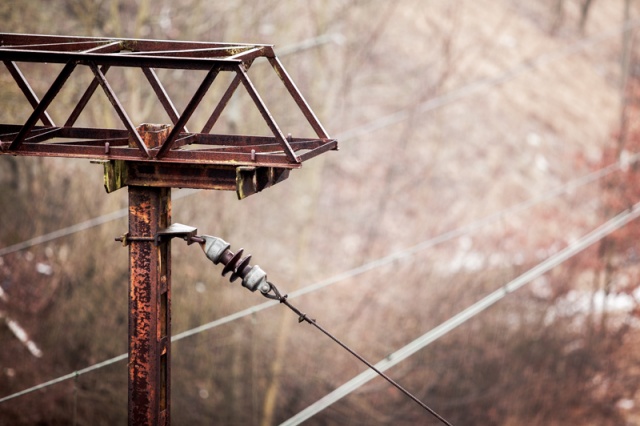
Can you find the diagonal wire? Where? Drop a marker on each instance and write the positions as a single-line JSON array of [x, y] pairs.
[[118, 214], [352, 134], [78, 227], [487, 83], [374, 264], [377, 124], [413, 250], [303, 317], [452, 323], [66, 377], [63, 232]]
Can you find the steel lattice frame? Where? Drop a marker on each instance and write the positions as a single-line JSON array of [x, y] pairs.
[[102, 54], [151, 159]]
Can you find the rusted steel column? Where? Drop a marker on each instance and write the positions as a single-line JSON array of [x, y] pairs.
[[149, 305]]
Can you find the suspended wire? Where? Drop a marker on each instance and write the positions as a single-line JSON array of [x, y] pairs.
[[352, 134], [119, 214], [413, 250], [64, 231], [452, 323], [82, 226], [369, 266], [75, 400], [487, 83], [284, 299], [67, 377], [373, 125], [311, 43]]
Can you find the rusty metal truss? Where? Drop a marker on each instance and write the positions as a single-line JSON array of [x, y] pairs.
[[40, 136], [153, 158]]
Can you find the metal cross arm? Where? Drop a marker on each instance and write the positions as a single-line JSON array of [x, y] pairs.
[[151, 158], [38, 135]]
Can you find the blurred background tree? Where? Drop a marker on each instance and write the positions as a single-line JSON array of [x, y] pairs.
[[447, 112]]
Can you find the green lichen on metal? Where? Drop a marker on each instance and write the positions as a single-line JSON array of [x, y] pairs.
[[251, 180], [236, 50], [131, 45], [115, 175], [245, 182]]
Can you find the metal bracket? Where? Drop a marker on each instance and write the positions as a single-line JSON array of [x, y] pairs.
[[244, 180], [251, 180], [176, 230]]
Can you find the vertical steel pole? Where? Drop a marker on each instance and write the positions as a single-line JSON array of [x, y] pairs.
[[149, 305]]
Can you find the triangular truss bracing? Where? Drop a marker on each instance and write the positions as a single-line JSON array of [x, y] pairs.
[[40, 136]]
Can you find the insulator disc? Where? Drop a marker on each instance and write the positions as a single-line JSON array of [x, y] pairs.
[[231, 265], [238, 270]]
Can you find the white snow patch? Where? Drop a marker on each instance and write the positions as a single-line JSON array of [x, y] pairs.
[[626, 404], [533, 139], [44, 269], [541, 163]]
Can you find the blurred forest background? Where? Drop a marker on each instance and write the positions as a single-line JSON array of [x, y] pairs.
[[477, 138]]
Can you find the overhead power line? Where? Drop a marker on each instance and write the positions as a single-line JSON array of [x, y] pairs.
[[118, 214], [353, 133], [78, 227], [66, 377], [63, 232], [487, 83], [465, 315], [369, 266], [413, 250], [373, 125], [255, 279]]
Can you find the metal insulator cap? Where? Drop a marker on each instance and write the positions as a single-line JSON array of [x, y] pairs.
[[256, 278], [214, 247]]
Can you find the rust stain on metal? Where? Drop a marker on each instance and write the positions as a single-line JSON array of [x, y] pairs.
[[153, 158], [102, 54], [149, 302]]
